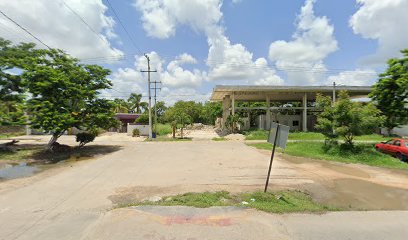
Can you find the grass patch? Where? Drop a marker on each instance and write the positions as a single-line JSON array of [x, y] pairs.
[[263, 135], [218, 139], [280, 202], [163, 129], [362, 153], [39, 154], [20, 155], [256, 134], [168, 139], [10, 135]]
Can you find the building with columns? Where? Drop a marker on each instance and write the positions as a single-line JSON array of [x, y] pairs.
[[290, 105]]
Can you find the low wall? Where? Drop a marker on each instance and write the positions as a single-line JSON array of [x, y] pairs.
[[143, 129], [12, 129]]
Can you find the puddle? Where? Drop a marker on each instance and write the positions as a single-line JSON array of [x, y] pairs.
[[360, 194], [12, 171]]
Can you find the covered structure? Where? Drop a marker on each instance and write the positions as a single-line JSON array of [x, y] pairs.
[[277, 99]]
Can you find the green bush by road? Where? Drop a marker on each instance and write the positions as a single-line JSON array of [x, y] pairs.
[[362, 153], [279, 202], [263, 135]]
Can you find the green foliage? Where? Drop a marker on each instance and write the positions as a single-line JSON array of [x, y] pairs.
[[135, 104], [279, 202], [135, 132], [210, 112], [219, 139], [232, 122], [121, 106], [163, 129], [346, 118], [256, 134], [160, 109], [359, 153], [85, 137], [390, 93], [182, 113], [143, 119], [64, 94]]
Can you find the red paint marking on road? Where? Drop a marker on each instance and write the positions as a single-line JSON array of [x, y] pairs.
[[211, 221]]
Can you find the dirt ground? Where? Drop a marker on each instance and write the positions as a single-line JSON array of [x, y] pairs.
[[72, 197]]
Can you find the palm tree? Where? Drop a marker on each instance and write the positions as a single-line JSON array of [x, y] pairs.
[[134, 101], [121, 106]]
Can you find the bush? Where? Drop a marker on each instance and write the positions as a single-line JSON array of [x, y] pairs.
[[142, 119], [163, 129], [85, 137], [135, 132]]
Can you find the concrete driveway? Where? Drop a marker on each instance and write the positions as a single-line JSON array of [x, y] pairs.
[[76, 201]]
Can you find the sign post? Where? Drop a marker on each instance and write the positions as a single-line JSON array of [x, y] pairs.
[[278, 135]]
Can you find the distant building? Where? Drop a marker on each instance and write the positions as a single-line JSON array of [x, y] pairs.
[[126, 118], [293, 106]]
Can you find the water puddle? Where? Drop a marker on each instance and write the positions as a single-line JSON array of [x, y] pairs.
[[17, 170]]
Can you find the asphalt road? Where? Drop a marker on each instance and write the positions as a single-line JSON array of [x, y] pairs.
[[76, 201]]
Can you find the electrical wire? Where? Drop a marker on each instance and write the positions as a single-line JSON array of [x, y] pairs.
[[23, 28], [123, 26]]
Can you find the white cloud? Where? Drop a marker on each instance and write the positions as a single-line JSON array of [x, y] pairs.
[[384, 21], [173, 76], [58, 27], [302, 58], [226, 61], [358, 77], [160, 17]]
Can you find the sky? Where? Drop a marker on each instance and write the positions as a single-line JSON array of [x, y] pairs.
[[197, 44]]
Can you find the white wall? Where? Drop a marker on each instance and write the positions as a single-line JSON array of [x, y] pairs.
[[143, 129]]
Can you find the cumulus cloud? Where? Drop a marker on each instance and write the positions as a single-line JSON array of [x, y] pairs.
[[160, 17], [385, 22], [57, 26], [313, 41], [174, 78], [226, 61], [358, 77]]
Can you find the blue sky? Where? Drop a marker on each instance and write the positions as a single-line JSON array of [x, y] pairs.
[[198, 44]]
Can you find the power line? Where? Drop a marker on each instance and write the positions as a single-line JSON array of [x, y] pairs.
[[83, 21], [25, 30], [123, 26]]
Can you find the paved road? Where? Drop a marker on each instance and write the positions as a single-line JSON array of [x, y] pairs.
[[75, 202]]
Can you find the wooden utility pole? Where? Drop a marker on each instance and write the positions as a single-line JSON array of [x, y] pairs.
[[150, 97]]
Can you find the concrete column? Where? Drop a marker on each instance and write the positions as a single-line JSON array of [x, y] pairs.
[[304, 121], [268, 113], [226, 104], [233, 104]]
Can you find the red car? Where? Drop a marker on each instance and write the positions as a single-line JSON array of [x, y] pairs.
[[397, 147]]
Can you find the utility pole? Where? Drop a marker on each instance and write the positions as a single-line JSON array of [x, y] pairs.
[[334, 92], [155, 102], [150, 97]]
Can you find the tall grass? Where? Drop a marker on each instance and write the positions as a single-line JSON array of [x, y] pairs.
[[361, 153]]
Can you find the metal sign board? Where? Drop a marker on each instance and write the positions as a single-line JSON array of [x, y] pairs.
[[282, 134]]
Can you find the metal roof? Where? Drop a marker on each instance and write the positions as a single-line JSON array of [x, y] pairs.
[[282, 93]]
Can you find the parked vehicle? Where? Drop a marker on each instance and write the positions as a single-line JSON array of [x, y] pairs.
[[397, 147]]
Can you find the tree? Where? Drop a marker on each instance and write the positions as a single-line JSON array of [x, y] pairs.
[[161, 109], [346, 118], [210, 112], [64, 94], [178, 115], [13, 59], [121, 106], [232, 122], [390, 93], [134, 102]]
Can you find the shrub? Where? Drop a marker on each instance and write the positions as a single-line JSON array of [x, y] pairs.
[[85, 137], [135, 132], [142, 119]]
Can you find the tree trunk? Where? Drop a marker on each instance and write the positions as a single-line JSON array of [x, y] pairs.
[[174, 131], [181, 132], [53, 139]]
